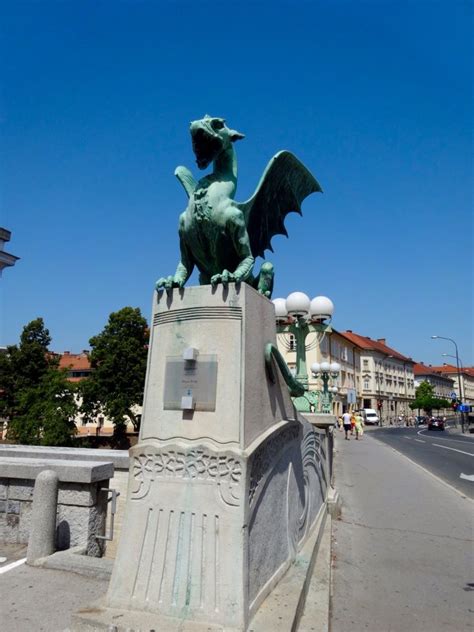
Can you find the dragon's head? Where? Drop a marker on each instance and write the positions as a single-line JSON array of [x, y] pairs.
[[210, 137]]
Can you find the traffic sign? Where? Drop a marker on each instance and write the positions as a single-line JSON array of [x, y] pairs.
[[453, 395]]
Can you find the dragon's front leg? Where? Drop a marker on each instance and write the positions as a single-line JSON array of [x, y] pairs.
[[178, 280], [184, 269]]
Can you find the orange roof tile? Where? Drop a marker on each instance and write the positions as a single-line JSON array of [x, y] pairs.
[[450, 368], [74, 361], [376, 345], [421, 369]]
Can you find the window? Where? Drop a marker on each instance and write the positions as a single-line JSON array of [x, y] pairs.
[[292, 343], [366, 385], [365, 363]]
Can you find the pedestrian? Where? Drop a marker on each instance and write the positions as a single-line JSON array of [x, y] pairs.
[[359, 425], [353, 423], [346, 421], [339, 422]]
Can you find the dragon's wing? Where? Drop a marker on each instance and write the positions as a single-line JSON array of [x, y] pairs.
[[285, 183], [187, 180]]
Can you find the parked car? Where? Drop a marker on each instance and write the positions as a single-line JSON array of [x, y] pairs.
[[435, 423], [370, 416], [470, 423]]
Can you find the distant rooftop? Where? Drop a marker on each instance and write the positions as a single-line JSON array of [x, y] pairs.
[[380, 344], [6, 259]]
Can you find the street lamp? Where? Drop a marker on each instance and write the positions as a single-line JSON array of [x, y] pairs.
[[461, 384], [299, 316], [449, 355], [325, 372]]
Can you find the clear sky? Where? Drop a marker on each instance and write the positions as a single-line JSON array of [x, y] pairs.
[[375, 97]]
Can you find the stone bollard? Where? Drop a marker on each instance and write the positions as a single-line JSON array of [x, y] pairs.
[[41, 542]]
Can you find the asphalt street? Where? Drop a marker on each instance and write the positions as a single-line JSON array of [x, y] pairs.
[[403, 545], [448, 456]]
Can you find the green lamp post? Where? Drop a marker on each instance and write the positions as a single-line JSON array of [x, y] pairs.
[[326, 371], [299, 316]]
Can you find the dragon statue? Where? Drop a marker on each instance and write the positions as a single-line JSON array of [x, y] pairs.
[[222, 237]]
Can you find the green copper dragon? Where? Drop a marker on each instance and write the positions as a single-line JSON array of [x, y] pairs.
[[222, 237]]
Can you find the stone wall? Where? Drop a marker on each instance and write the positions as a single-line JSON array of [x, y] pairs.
[[82, 503]]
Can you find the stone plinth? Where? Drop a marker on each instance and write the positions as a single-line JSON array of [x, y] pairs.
[[219, 500]]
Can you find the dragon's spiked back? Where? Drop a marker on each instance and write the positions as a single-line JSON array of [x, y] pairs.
[[285, 183]]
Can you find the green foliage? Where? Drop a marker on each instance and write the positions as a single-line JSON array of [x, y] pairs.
[[425, 400], [35, 395], [46, 411], [118, 359]]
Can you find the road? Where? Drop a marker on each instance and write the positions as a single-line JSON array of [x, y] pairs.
[[448, 456], [403, 547]]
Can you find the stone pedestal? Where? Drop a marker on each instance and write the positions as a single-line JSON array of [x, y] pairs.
[[223, 491]]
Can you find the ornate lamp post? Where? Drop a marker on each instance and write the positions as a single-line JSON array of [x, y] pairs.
[[325, 372], [299, 316]]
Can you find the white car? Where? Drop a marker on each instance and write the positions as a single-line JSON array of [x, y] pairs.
[[370, 416]]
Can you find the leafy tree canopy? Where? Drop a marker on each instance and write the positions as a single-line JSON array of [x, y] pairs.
[[46, 412], [425, 400], [23, 365], [118, 359], [35, 395]]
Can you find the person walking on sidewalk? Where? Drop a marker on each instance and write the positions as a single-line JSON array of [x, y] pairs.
[[353, 422], [346, 421], [359, 425]]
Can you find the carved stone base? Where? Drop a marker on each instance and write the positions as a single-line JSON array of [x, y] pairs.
[[220, 499]]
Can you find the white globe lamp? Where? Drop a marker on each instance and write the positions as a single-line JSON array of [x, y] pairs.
[[281, 312], [315, 368], [325, 367], [321, 308], [298, 304], [334, 367]]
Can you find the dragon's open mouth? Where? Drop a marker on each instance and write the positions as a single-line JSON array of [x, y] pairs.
[[206, 146]]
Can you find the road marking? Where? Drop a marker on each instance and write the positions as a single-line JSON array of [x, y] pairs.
[[405, 437], [9, 567], [443, 438], [453, 449], [420, 440], [467, 477]]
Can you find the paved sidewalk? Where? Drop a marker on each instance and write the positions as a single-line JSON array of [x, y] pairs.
[[403, 549]]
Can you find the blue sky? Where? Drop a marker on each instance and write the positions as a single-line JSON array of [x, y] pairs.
[[374, 97]]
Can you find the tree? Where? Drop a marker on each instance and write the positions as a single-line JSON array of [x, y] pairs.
[[425, 400], [36, 397], [118, 361], [23, 365], [46, 412]]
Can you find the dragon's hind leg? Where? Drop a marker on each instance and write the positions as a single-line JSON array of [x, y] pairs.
[[264, 281]]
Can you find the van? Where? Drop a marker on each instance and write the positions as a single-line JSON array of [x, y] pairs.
[[370, 416]]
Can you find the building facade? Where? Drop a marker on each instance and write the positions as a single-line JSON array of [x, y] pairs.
[[333, 347], [386, 376], [463, 386], [443, 385]]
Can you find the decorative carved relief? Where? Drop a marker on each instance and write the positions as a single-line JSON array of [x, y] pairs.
[[179, 562], [196, 464], [265, 455]]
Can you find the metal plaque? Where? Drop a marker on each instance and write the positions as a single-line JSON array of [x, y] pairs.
[[196, 379]]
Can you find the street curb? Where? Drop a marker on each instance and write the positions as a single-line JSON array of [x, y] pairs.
[[437, 478]]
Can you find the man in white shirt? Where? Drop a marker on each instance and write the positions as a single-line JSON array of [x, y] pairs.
[[346, 422]]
